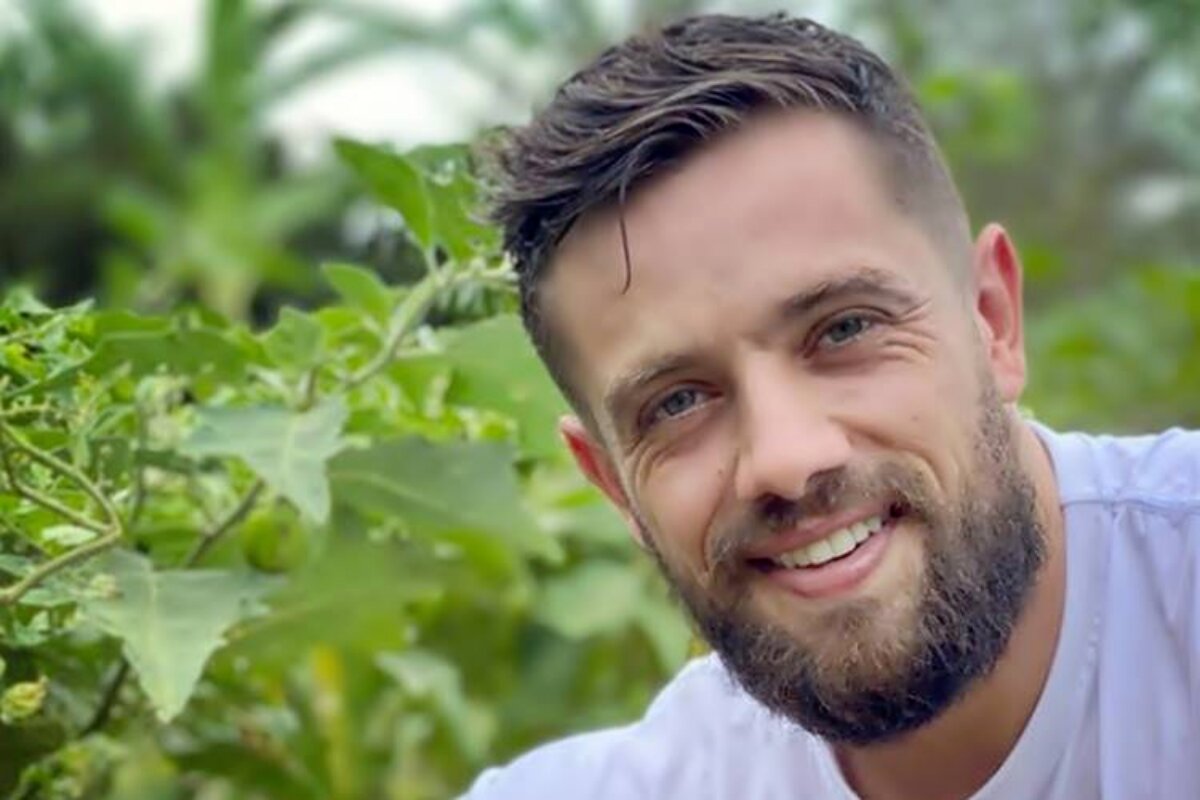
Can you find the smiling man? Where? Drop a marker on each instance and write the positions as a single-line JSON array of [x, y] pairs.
[[795, 373]]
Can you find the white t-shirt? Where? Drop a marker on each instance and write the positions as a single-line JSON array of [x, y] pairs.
[[1118, 719]]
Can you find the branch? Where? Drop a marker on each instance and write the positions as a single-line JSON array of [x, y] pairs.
[[209, 537], [63, 468], [14, 592], [45, 501], [108, 700], [12, 413], [412, 309], [110, 534], [407, 315]]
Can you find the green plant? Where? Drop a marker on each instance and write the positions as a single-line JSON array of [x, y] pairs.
[[339, 558]]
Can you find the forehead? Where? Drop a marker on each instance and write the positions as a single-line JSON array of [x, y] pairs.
[[789, 201]]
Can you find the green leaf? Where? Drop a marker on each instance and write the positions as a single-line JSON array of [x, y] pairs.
[[187, 352], [395, 182], [360, 288], [170, 622], [496, 368], [22, 700], [465, 492], [428, 676], [65, 537], [296, 341], [22, 300], [594, 598], [667, 631], [357, 595], [454, 198], [287, 449]]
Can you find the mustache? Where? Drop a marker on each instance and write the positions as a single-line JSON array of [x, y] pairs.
[[897, 488]]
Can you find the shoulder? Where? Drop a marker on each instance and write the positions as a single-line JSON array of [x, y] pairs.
[[692, 743], [1158, 470], [1133, 504]]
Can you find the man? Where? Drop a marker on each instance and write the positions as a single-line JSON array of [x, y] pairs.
[[796, 373]]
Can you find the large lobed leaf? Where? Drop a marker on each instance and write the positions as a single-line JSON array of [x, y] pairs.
[[170, 622], [495, 367], [287, 449], [464, 492]]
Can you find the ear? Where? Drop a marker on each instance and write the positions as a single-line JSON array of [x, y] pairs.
[[593, 461], [998, 309]]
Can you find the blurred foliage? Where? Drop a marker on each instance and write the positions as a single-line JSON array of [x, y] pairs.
[[284, 515]]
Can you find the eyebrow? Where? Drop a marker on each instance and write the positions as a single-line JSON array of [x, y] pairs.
[[862, 282]]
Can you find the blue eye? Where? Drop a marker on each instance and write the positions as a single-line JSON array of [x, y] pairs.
[[845, 329], [675, 404]]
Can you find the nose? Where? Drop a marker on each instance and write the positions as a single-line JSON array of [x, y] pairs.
[[787, 435]]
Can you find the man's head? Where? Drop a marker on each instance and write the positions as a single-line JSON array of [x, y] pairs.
[[745, 262]]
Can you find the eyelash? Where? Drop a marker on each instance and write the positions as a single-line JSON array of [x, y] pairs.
[[650, 420], [869, 321]]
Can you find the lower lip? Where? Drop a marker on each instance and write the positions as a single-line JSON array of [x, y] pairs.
[[840, 575]]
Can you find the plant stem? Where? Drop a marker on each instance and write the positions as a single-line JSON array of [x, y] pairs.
[[412, 309], [11, 413], [16, 591], [108, 700], [407, 315], [45, 501], [63, 468], [209, 537]]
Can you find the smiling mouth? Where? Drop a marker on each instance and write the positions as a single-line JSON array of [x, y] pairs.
[[834, 547]]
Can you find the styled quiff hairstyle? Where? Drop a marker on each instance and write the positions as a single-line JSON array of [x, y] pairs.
[[644, 105]]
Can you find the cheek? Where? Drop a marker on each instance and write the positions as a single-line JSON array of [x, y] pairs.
[[680, 497], [928, 412]]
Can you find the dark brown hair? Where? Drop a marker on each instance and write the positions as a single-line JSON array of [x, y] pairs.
[[648, 102]]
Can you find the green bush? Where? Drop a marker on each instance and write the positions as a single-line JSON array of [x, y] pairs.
[[340, 558]]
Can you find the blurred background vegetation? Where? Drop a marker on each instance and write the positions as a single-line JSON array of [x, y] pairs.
[[1076, 124]]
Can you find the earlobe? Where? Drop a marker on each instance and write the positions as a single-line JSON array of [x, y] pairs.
[[597, 467], [999, 309]]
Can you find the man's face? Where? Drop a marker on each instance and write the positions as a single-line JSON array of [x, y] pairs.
[[798, 404]]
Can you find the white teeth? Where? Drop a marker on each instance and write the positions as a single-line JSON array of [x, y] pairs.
[[821, 551], [835, 545], [842, 542]]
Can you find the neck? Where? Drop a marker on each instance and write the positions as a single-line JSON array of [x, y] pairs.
[[955, 755]]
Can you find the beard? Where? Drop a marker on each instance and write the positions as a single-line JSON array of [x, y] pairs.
[[869, 670]]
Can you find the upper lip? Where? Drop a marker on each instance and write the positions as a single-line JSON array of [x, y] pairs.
[[800, 535]]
